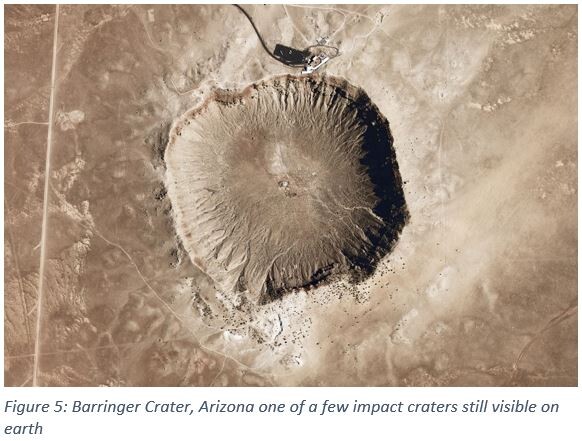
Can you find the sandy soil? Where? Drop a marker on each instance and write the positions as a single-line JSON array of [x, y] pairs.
[[479, 290]]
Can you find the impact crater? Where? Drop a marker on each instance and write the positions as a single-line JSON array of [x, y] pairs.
[[284, 184]]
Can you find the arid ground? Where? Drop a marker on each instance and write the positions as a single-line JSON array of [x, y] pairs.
[[101, 288]]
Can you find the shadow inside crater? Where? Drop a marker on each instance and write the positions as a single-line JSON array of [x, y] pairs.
[[380, 161]]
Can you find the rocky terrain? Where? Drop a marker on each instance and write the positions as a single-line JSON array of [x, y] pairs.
[[479, 289]]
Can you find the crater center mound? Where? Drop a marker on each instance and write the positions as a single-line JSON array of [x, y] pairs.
[[285, 183]]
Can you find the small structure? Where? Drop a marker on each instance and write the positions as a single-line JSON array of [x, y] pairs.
[[314, 63]]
